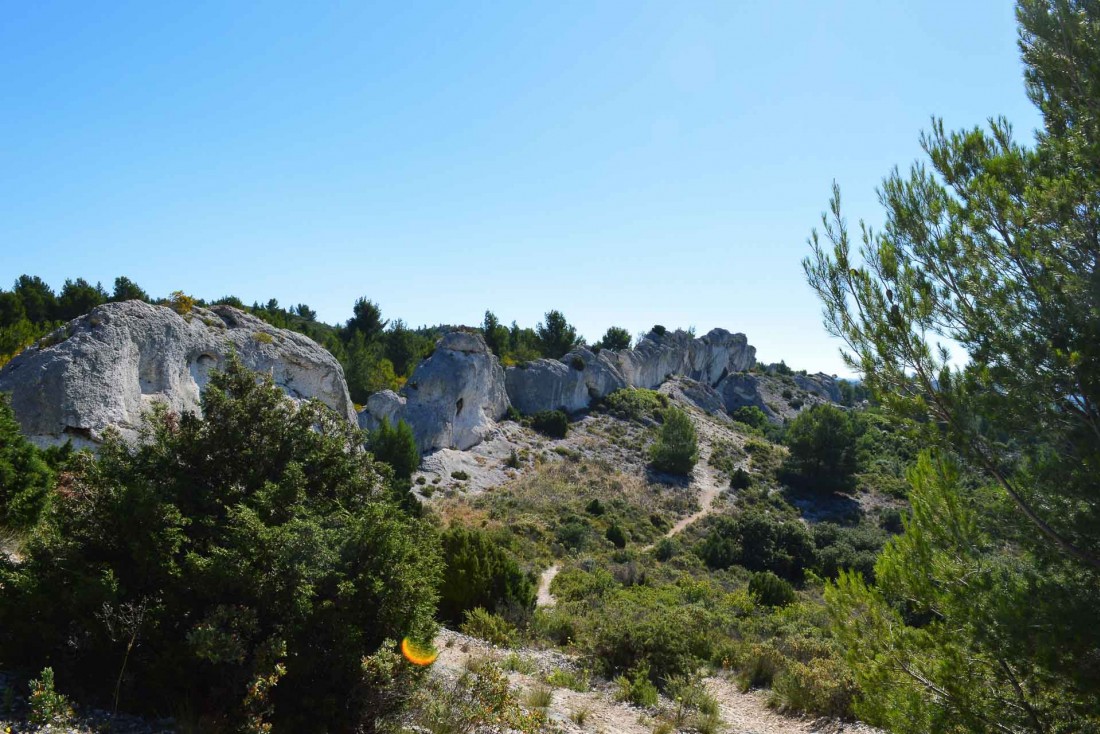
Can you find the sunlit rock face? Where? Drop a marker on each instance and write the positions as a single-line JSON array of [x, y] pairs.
[[578, 378], [453, 398], [107, 368]]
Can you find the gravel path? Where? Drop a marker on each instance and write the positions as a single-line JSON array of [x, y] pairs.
[[545, 598]]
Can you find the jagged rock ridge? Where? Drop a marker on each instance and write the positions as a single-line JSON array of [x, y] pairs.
[[108, 367], [455, 397]]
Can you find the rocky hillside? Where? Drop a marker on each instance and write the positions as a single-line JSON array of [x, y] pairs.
[[109, 367]]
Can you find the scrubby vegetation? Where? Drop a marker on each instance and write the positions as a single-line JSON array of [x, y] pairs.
[[241, 567]]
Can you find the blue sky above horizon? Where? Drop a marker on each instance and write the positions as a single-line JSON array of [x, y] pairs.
[[627, 163]]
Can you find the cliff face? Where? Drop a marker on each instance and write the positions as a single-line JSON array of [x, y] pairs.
[[108, 367]]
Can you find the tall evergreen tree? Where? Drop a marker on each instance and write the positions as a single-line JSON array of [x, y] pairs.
[[983, 616], [556, 336]]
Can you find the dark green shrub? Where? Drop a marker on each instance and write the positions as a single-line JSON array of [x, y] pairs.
[[758, 541], [396, 446], [577, 363], [676, 449], [513, 462], [750, 415], [256, 546], [552, 423], [460, 475], [513, 415], [659, 330], [823, 449], [740, 479], [479, 573], [891, 521], [616, 535], [839, 547], [595, 507], [665, 549], [25, 478], [574, 533], [770, 590], [616, 337]]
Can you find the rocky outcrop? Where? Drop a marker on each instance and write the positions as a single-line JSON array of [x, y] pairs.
[[453, 398], [820, 384], [547, 384], [578, 378], [107, 368]]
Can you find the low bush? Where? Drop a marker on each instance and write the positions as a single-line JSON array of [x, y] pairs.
[[46, 705], [740, 479], [476, 701], [616, 535], [821, 687], [770, 590], [488, 626], [636, 687], [839, 547], [635, 403], [564, 678], [551, 423], [750, 415]]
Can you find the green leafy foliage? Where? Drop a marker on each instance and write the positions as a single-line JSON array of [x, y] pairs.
[[479, 573], [770, 590], [975, 621], [616, 337], [396, 446], [488, 626], [823, 449], [47, 705], [636, 404], [25, 477], [758, 541], [676, 449], [556, 336], [750, 415], [263, 548], [552, 423]]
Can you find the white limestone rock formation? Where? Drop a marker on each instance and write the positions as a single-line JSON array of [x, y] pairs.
[[453, 398], [108, 367], [574, 381]]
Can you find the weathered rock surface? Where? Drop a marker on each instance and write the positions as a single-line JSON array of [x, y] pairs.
[[452, 400], [546, 384], [108, 367], [578, 378]]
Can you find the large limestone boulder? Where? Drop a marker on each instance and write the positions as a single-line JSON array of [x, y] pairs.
[[453, 398], [547, 384], [107, 368]]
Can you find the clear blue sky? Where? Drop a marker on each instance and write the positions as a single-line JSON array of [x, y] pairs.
[[628, 163]]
